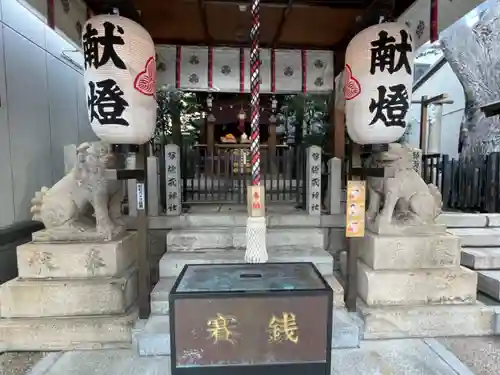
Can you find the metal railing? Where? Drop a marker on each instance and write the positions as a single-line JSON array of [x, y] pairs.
[[467, 184], [222, 176]]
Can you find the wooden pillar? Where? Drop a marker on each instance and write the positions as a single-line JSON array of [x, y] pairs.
[[271, 143], [337, 118], [209, 157], [351, 287], [423, 124], [144, 270], [176, 131], [51, 20], [339, 134]]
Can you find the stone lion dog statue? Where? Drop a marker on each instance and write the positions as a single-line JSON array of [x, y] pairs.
[[401, 196], [66, 208]]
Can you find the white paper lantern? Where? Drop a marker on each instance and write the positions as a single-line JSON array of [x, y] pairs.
[[120, 79], [378, 80]]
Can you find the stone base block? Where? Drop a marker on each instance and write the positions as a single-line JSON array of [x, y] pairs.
[[75, 333], [68, 297], [414, 287], [382, 252], [394, 322], [488, 282], [481, 258], [72, 260]]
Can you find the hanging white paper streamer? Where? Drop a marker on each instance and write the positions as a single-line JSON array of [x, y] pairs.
[[377, 102], [194, 68], [166, 66], [319, 77], [288, 68], [120, 79]]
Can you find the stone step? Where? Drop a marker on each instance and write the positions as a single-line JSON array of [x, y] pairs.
[[488, 282], [235, 238], [294, 219], [73, 260], [154, 340], [468, 220], [171, 263], [420, 286], [161, 292], [477, 237], [68, 333], [481, 258], [22, 298], [396, 322]]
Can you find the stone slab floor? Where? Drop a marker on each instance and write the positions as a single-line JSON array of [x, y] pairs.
[[480, 354], [19, 363], [384, 357]]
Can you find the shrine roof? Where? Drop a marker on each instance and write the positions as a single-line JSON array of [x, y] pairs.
[[301, 24]]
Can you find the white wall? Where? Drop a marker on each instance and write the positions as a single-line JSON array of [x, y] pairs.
[[42, 107], [444, 81], [449, 12]]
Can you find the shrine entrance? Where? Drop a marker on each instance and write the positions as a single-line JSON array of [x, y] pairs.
[[213, 131]]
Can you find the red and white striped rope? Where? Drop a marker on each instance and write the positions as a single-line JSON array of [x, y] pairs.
[[255, 91]]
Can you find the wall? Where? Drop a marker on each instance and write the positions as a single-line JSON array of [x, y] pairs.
[[449, 11], [442, 81], [42, 107]]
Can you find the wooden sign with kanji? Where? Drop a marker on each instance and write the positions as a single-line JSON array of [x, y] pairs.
[[256, 205]]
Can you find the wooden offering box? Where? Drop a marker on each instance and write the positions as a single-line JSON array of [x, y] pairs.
[[246, 319]]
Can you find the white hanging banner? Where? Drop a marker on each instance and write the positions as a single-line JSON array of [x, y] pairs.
[[288, 70], [320, 70], [378, 80], [120, 79], [226, 69], [166, 65], [194, 68]]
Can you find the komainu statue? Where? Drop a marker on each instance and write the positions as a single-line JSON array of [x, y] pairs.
[[66, 208], [401, 201]]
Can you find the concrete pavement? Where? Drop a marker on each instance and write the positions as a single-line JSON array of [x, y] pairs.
[[384, 357], [480, 354]]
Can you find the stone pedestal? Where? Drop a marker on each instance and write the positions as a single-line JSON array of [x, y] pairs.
[[71, 296], [414, 286]]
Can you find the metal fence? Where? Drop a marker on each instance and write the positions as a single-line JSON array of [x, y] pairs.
[[222, 176], [470, 184]]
